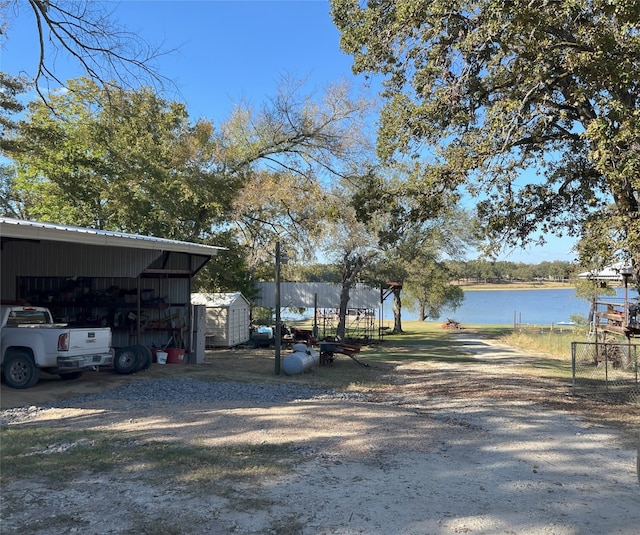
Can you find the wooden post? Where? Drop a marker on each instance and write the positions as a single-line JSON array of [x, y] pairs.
[[278, 336]]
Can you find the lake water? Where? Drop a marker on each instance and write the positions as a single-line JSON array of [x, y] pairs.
[[539, 307]]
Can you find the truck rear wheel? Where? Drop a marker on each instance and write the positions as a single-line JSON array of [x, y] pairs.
[[20, 370], [127, 360]]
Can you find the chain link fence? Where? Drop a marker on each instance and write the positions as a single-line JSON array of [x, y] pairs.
[[606, 370]]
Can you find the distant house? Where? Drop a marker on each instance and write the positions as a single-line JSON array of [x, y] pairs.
[[228, 318], [615, 272]]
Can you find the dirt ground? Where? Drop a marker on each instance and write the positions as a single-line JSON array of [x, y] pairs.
[[450, 447]]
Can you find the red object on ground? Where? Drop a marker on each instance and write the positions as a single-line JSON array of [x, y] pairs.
[[175, 356]]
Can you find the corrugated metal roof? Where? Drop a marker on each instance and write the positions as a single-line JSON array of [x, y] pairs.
[[36, 230], [303, 295]]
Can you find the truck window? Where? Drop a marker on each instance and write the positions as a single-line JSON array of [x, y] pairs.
[[29, 317]]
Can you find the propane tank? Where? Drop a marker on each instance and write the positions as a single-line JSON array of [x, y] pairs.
[[300, 361]]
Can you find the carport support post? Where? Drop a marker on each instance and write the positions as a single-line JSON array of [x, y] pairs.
[[278, 337]]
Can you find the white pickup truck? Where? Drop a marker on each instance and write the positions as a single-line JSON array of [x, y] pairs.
[[31, 342]]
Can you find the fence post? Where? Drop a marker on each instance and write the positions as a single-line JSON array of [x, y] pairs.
[[606, 367], [635, 366], [573, 368]]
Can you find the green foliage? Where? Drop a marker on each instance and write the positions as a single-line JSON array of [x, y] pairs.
[[484, 271], [116, 160], [228, 270], [403, 197], [579, 319], [459, 271], [313, 273], [416, 226], [296, 152], [10, 88], [431, 291], [10, 106], [532, 106], [8, 195]]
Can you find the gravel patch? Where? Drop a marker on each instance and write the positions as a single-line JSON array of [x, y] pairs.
[[145, 394]]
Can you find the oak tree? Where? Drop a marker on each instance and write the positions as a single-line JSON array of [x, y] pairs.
[[119, 161], [533, 106]]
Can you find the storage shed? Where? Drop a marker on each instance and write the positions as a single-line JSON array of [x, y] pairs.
[[137, 285], [228, 318]]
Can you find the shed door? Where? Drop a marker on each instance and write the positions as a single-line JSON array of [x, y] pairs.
[[238, 325]]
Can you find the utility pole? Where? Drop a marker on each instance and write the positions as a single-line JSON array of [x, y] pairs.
[[278, 333]]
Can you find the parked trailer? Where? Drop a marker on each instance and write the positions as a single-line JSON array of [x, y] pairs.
[[328, 351]]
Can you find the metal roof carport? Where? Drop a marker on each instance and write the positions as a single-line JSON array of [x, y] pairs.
[[364, 302], [32, 252], [320, 294]]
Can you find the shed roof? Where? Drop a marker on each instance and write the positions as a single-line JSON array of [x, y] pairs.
[[36, 230], [218, 299]]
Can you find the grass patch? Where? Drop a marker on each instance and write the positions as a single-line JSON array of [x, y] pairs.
[[550, 342], [428, 341], [551, 345], [420, 342], [61, 454], [29, 452], [560, 369], [558, 346]]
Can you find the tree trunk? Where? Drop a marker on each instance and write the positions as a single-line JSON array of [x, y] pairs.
[[397, 311], [352, 267], [342, 312]]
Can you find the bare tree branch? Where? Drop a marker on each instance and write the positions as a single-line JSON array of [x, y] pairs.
[[90, 35]]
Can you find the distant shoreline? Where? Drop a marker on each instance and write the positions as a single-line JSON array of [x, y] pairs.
[[517, 286]]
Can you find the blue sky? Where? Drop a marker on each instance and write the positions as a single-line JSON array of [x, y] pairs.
[[223, 51], [230, 51]]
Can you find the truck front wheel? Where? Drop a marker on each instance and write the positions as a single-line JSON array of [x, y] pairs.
[[19, 370]]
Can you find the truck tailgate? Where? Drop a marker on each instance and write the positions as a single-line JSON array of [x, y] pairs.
[[89, 340]]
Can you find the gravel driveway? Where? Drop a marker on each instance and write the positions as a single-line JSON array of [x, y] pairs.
[[470, 447]]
